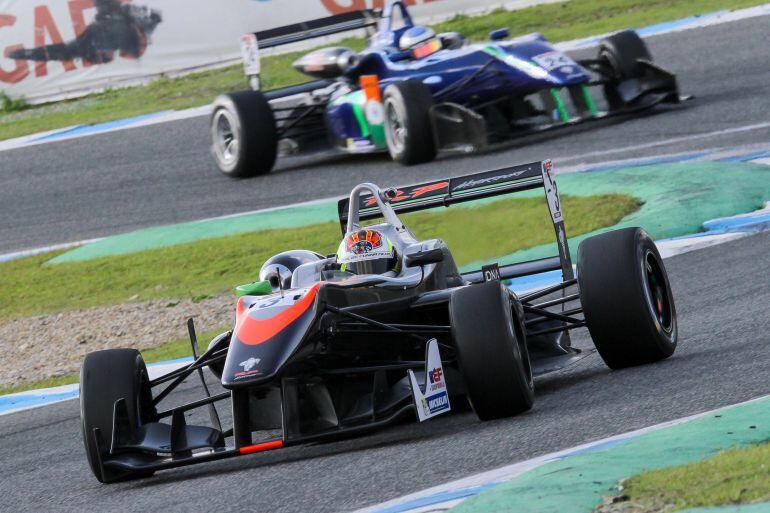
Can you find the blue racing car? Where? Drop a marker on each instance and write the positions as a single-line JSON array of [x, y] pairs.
[[413, 92]]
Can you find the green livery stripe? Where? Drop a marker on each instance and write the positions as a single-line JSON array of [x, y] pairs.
[[378, 136], [589, 100], [361, 118], [563, 114], [496, 52]]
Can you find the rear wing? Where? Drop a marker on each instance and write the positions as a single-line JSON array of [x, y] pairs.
[[251, 44], [444, 193]]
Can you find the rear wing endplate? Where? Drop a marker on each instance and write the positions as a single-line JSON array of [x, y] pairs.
[[251, 44], [508, 180]]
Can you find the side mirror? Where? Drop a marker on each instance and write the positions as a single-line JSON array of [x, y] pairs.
[[499, 34], [432, 256]]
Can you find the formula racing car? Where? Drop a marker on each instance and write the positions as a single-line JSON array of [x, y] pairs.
[[386, 329], [412, 92]]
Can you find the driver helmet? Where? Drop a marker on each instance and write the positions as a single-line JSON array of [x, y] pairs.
[[420, 41], [367, 251]]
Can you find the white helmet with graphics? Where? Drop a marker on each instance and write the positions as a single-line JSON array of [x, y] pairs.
[[367, 251]]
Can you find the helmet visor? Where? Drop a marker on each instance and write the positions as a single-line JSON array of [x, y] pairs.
[[372, 266], [429, 48]]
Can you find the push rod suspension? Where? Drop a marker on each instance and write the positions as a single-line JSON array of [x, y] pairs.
[[556, 330], [201, 362], [372, 322], [549, 290], [558, 301], [551, 315], [538, 320], [194, 404]]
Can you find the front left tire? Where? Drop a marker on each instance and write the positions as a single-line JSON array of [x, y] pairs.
[[408, 130], [491, 350], [244, 137]]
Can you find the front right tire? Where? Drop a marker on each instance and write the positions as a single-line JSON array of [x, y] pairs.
[[626, 297]]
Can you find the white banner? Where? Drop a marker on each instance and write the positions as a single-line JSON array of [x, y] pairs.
[[57, 48]]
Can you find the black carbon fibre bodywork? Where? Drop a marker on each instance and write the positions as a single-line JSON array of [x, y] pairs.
[[328, 357]]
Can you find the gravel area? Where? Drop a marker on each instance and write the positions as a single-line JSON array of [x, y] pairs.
[[44, 346]]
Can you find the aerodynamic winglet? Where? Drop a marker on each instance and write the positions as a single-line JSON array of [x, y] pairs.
[[431, 399]]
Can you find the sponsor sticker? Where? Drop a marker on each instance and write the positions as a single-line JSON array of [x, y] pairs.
[[436, 378], [375, 113], [431, 399], [359, 145], [409, 193], [249, 364], [437, 403], [555, 60], [490, 180], [248, 368], [552, 192], [250, 54], [491, 272]]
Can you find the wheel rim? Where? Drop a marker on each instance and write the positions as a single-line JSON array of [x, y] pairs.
[[225, 137], [395, 131], [657, 292]]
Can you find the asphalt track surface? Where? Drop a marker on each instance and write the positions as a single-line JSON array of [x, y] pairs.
[[113, 183], [723, 358]]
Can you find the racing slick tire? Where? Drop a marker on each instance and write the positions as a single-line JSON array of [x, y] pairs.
[[622, 50], [408, 130], [244, 137], [491, 350], [626, 297], [105, 377]]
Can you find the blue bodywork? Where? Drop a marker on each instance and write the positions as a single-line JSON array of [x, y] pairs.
[[517, 67]]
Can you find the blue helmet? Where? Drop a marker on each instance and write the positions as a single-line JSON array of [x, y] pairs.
[[415, 37]]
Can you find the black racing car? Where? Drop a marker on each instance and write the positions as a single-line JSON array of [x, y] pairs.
[[321, 350]]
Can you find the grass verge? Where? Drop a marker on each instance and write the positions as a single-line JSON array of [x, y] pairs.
[[562, 21], [736, 476], [214, 266]]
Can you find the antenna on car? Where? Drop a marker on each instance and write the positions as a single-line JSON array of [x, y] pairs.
[[280, 281]]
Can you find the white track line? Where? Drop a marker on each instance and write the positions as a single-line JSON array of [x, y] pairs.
[[674, 140], [47, 249], [720, 152]]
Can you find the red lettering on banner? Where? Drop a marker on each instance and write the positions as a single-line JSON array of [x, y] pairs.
[[21, 70], [343, 6], [333, 7], [44, 24]]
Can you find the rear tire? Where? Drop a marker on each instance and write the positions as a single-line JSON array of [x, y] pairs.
[[105, 377], [408, 129], [244, 138], [491, 350], [626, 297]]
